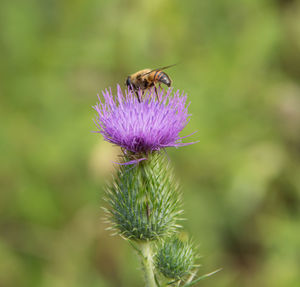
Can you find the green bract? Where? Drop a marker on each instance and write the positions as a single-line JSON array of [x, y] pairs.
[[144, 200]]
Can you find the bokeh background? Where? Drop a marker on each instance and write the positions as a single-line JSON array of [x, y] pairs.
[[240, 65]]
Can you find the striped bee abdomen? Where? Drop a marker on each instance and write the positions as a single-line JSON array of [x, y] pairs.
[[163, 78]]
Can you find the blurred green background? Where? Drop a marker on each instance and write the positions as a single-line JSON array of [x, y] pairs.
[[239, 64]]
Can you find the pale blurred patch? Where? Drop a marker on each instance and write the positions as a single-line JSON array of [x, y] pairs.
[[257, 166], [102, 158], [288, 110]]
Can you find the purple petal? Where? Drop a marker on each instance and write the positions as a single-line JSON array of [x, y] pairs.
[[142, 127]]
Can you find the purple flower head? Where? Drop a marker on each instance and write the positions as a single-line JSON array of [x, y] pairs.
[[144, 127]]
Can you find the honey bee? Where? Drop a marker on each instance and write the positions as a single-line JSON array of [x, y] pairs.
[[147, 78]]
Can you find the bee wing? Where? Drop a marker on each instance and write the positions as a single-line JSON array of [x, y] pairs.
[[159, 69]]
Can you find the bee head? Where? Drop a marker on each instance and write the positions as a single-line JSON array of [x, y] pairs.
[[128, 82]]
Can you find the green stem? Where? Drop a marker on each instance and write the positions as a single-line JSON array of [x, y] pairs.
[[148, 264]]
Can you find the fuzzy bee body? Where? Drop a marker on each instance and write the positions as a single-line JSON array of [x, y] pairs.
[[147, 78]]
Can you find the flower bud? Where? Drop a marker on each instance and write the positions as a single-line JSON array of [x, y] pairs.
[[175, 258]]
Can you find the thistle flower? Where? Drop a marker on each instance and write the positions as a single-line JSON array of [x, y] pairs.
[[141, 128], [144, 203]]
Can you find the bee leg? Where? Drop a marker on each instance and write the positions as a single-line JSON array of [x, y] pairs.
[[138, 97], [143, 93], [159, 86], [156, 93]]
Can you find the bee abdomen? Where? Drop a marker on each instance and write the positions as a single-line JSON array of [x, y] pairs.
[[164, 78]]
